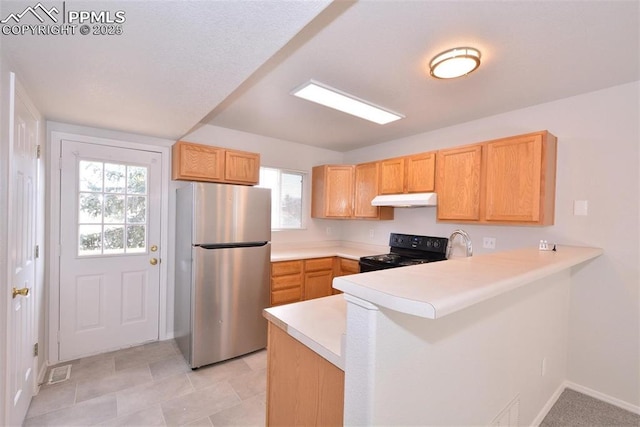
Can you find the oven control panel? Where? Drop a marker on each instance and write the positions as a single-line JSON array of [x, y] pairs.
[[423, 243]]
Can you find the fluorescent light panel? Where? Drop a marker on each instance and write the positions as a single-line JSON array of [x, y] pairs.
[[341, 101]]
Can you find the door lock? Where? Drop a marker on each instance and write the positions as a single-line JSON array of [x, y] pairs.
[[23, 292], [153, 248], [153, 261]]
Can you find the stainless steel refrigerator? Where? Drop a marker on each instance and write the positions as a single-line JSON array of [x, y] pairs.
[[223, 252]]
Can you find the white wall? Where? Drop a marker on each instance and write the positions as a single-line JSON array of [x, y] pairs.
[[598, 138], [279, 153]]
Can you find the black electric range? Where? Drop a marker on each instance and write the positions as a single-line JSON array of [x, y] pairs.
[[407, 249]]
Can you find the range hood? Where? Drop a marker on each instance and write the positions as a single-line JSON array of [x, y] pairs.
[[412, 200]]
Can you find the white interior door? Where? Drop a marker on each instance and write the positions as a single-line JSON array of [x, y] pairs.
[[109, 237], [22, 238]]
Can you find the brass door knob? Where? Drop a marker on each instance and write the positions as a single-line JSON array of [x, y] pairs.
[[153, 261], [23, 292]]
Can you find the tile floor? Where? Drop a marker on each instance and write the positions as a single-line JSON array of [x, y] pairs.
[[151, 385]]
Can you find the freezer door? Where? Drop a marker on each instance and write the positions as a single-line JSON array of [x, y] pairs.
[[231, 213], [230, 290]]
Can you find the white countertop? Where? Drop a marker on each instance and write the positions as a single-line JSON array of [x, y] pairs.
[[428, 290], [440, 288], [285, 254], [320, 324]]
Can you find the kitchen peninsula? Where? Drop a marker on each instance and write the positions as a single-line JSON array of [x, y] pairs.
[[480, 340]]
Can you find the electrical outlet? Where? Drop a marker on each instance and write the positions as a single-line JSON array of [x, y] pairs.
[[543, 367], [489, 242], [328, 231], [372, 233]]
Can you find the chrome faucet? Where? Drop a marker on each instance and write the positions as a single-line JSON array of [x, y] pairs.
[[467, 242]]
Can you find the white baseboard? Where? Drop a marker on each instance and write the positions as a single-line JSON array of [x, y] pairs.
[[547, 406], [584, 390], [604, 397]]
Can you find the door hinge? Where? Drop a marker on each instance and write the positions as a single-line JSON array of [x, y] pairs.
[[37, 151], [35, 349], [36, 251]]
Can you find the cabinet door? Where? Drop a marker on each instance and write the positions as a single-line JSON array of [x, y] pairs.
[[242, 167], [197, 162], [332, 191], [514, 184], [303, 389], [317, 284], [458, 183], [392, 176], [366, 188], [338, 198], [420, 173]]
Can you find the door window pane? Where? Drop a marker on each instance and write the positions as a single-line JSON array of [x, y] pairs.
[[136, 180], [90, 176], [114, 178], [112, 208], [90, 211], [113, 239], [136, 238], [89, 240]]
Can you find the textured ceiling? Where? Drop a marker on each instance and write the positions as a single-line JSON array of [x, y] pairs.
[[533, 52], [233, 63], [174, 62]]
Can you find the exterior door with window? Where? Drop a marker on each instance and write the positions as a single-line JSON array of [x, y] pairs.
[[110, 232]]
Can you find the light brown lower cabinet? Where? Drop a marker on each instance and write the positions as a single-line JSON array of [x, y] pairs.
[[298, 280], [303, 389]]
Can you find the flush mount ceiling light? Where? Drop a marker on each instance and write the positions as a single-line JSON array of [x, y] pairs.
[[341, 101], [455, 62]]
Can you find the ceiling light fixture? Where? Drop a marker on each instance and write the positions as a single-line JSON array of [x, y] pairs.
[[333, 98], [455, 62]]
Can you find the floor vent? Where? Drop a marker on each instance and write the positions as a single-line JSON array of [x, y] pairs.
[[59, 374]]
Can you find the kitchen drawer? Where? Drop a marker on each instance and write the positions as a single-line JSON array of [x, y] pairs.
[[285, 296], [286, 267], [317, 264], [288, 281]]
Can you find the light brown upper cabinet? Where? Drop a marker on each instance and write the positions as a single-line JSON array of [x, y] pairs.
[[199, 162], [420, 172], [520, 179], [366, 188], [332, 191], [392, 176], [458, 183], [408, 174], [346, 191], [505, 181], [242, 167]]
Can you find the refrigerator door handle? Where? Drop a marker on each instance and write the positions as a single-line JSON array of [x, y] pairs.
[[230, 245]]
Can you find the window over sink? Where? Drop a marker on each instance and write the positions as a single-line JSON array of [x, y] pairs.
[[286, 197]]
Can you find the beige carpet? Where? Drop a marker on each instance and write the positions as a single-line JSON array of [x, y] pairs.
[[577, 409]]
